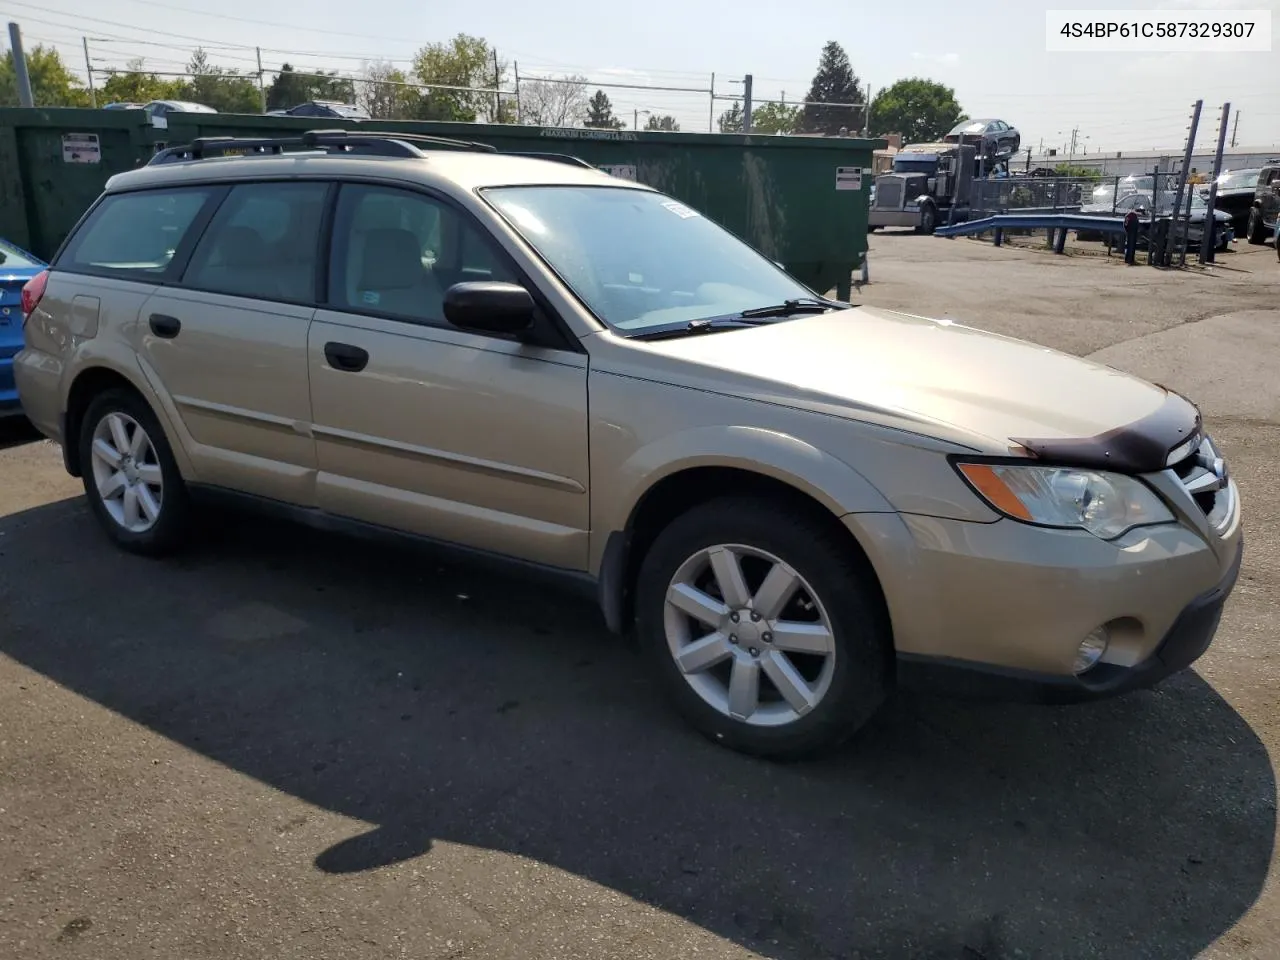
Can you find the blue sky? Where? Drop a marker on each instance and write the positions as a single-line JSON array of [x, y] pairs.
[[992, 54]]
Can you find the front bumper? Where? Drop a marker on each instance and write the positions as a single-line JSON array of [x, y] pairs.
[[1183, 644], [909, 217], [1001, 608]]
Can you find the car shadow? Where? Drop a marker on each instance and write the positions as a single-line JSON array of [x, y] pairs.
[[16, 431], [441, 702]]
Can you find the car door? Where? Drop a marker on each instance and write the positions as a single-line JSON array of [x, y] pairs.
[[420, 426], [229, 340], [1269, 194]]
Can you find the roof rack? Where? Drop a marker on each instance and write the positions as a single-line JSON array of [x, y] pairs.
[[363, 143], [557, 158]]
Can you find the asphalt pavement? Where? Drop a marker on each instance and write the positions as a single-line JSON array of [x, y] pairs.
[[287, 745]]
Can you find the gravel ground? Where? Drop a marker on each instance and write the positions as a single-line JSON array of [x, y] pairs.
[[282, 745]]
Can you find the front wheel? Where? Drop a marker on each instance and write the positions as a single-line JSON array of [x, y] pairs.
[[928, 219], [764, 627], [130, 477]]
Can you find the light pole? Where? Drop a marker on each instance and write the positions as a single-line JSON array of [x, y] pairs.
[[635, 118]]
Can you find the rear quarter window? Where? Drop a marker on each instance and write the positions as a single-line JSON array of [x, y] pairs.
[[134, 234]]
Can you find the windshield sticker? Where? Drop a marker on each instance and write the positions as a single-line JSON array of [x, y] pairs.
[[680, 210]]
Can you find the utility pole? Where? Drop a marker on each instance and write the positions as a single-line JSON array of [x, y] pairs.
[[497, 82], [711, 110], [262, 87], [1234, 127], [1166, 250], [1071, 154], [88, 68], [746, 104], [515, 66], [1206, 235], [20, 67]]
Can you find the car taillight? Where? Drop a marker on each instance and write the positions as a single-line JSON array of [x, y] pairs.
[[32, 292]]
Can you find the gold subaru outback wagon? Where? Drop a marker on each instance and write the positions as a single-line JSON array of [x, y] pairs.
[[793, 503]]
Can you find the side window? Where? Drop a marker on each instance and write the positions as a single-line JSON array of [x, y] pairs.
[[262, 243], [396, 252], [135, 234]]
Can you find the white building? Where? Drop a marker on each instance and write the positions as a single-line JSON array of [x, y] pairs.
[[1125, 162]]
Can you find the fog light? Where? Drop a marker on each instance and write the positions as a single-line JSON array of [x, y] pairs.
[[1092, 647]]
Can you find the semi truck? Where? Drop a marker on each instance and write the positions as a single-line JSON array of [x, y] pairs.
[[926, 182]]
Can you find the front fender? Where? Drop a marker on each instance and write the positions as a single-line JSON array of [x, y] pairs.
[[795, 462]]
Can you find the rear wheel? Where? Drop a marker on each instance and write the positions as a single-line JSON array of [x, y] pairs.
[[1256, 232], [130, 477], [763, 627]]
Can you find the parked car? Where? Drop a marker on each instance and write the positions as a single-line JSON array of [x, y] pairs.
[[1266, 204], [160, 109], [325, 108], [792, 504], [1142, 203], [1236, 192], [993, 138], [122, 106], [17, 267]]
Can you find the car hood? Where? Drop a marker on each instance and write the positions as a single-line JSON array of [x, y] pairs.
[[932, 376]]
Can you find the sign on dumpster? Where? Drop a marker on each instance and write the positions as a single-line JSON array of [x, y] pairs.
[[848, 178], [81, 148]]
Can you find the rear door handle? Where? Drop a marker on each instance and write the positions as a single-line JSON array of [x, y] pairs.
[[345, 356], [165, 326]]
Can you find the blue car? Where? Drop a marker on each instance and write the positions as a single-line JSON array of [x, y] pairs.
[[16, 268]]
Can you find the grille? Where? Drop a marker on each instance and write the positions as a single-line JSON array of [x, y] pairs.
[[889, 194], [1203, 475]]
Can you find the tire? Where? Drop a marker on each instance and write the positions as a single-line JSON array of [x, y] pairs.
[[842, 688], [154, 479], [1255, 232], [928, 219]]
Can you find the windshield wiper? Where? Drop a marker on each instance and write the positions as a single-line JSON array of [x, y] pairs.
[[705, 325], [798, 305], [754, 317]]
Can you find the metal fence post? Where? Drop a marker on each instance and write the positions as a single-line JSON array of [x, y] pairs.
[[1207, 243], [1166, 250]]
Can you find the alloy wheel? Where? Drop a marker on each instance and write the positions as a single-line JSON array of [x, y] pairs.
[[126, 472], [749, 634]]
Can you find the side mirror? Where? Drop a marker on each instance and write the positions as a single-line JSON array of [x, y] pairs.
[[489, 306]]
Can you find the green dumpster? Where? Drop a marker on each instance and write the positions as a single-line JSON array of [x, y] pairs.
[[802, 201]]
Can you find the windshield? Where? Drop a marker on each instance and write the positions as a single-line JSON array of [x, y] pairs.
[[11, 256], [639, 259], [1238, 179], [902, 165]]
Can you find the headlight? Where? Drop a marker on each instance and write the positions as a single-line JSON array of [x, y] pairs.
[[1105, 504]]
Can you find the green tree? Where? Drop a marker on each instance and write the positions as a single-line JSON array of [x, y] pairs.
[[775, 118], [135, 85], [383, 92], [731, 120], [464, 61], [921, 110], [52, 84], [226, 90], [600, 113], [834, 83], [662, 122], [291, 88]]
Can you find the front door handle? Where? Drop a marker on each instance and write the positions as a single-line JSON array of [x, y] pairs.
[[165, 326], [345, 356]]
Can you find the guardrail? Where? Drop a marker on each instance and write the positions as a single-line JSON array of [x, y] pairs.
[[1057, 223]]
